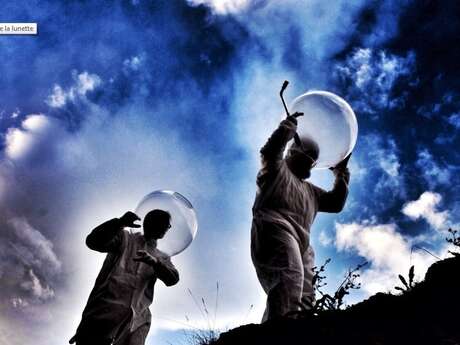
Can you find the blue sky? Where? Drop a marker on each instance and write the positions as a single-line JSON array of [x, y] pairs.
[[115, 99]]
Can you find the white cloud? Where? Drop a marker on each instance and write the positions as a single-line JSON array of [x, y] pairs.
[[19, 302], [223, 6], [382, 155], [324, 239], [454, 120], [58, 98], [389, 163], [15, 113], [19, 140], [373, 75], [134, 63], [425, 207], [82, 83], [38, 250], [379, 243], [387, 251], [433, 172], [29, 266], [86, 82], [38, 289]]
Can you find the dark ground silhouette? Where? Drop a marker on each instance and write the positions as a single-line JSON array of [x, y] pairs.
[[426, 314]]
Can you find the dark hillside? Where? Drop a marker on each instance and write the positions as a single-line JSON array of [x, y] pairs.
[[427, 314]]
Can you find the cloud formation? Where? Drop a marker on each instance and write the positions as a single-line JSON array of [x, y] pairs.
[[223, 6], [83, 83], [454, 120], [29, 266], [434, 173], [371, 75], [425, 207], [387, 251]]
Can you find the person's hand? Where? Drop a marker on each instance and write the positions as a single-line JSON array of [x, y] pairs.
[[143, 256], [128, 219], [342, 166], [293, 117]]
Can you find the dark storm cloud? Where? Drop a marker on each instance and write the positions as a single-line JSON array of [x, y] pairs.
[[28, 264]]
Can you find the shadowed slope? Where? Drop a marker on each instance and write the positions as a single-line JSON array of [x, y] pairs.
[[428, 314]]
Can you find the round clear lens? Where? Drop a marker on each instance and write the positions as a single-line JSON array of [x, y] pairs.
[[330, 122], [184, 223]]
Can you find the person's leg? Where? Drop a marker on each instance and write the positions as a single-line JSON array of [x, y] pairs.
[[93, 341], [308, 293], [92, 334], [279, 267], [135, 338]]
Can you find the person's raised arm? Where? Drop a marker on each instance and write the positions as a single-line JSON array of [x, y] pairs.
[[272, 151], [334, 200], [107, 237]]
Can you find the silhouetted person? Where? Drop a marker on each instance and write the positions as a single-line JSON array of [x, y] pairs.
[[284, 209], [117, 310]]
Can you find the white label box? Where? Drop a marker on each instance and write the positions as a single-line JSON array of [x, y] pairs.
[[18, 28]]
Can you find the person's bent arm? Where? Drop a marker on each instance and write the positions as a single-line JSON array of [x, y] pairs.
[[272, 151], [334, 200], [105, 237], [108, 236], [166, 272], [164, 268]]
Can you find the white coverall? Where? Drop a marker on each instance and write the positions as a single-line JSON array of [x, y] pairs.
[[284, 209], [118, 307]]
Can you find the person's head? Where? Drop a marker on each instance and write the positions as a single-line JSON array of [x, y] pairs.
[[156, 224], [301, 159]]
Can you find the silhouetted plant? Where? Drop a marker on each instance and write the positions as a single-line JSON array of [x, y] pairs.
[[407, 284], [454, 239], [349, 283], [205, 336], [318, 279], [334, 302]]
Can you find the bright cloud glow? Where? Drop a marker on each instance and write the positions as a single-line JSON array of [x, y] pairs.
[[387, 251], [20, 140], [373, 75], [425, 207], [82, 83], [223, 6], [36, 287]]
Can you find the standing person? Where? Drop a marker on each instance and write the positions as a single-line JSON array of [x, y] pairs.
[[117, 311], [284, 209]]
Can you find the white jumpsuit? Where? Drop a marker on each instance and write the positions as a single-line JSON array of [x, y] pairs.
[[283, 211], [118, 307]]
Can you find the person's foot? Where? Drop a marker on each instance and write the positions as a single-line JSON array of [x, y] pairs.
[[297, 314]]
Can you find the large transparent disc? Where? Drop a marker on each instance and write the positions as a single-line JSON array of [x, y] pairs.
[[330, 122], [184, 223]]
